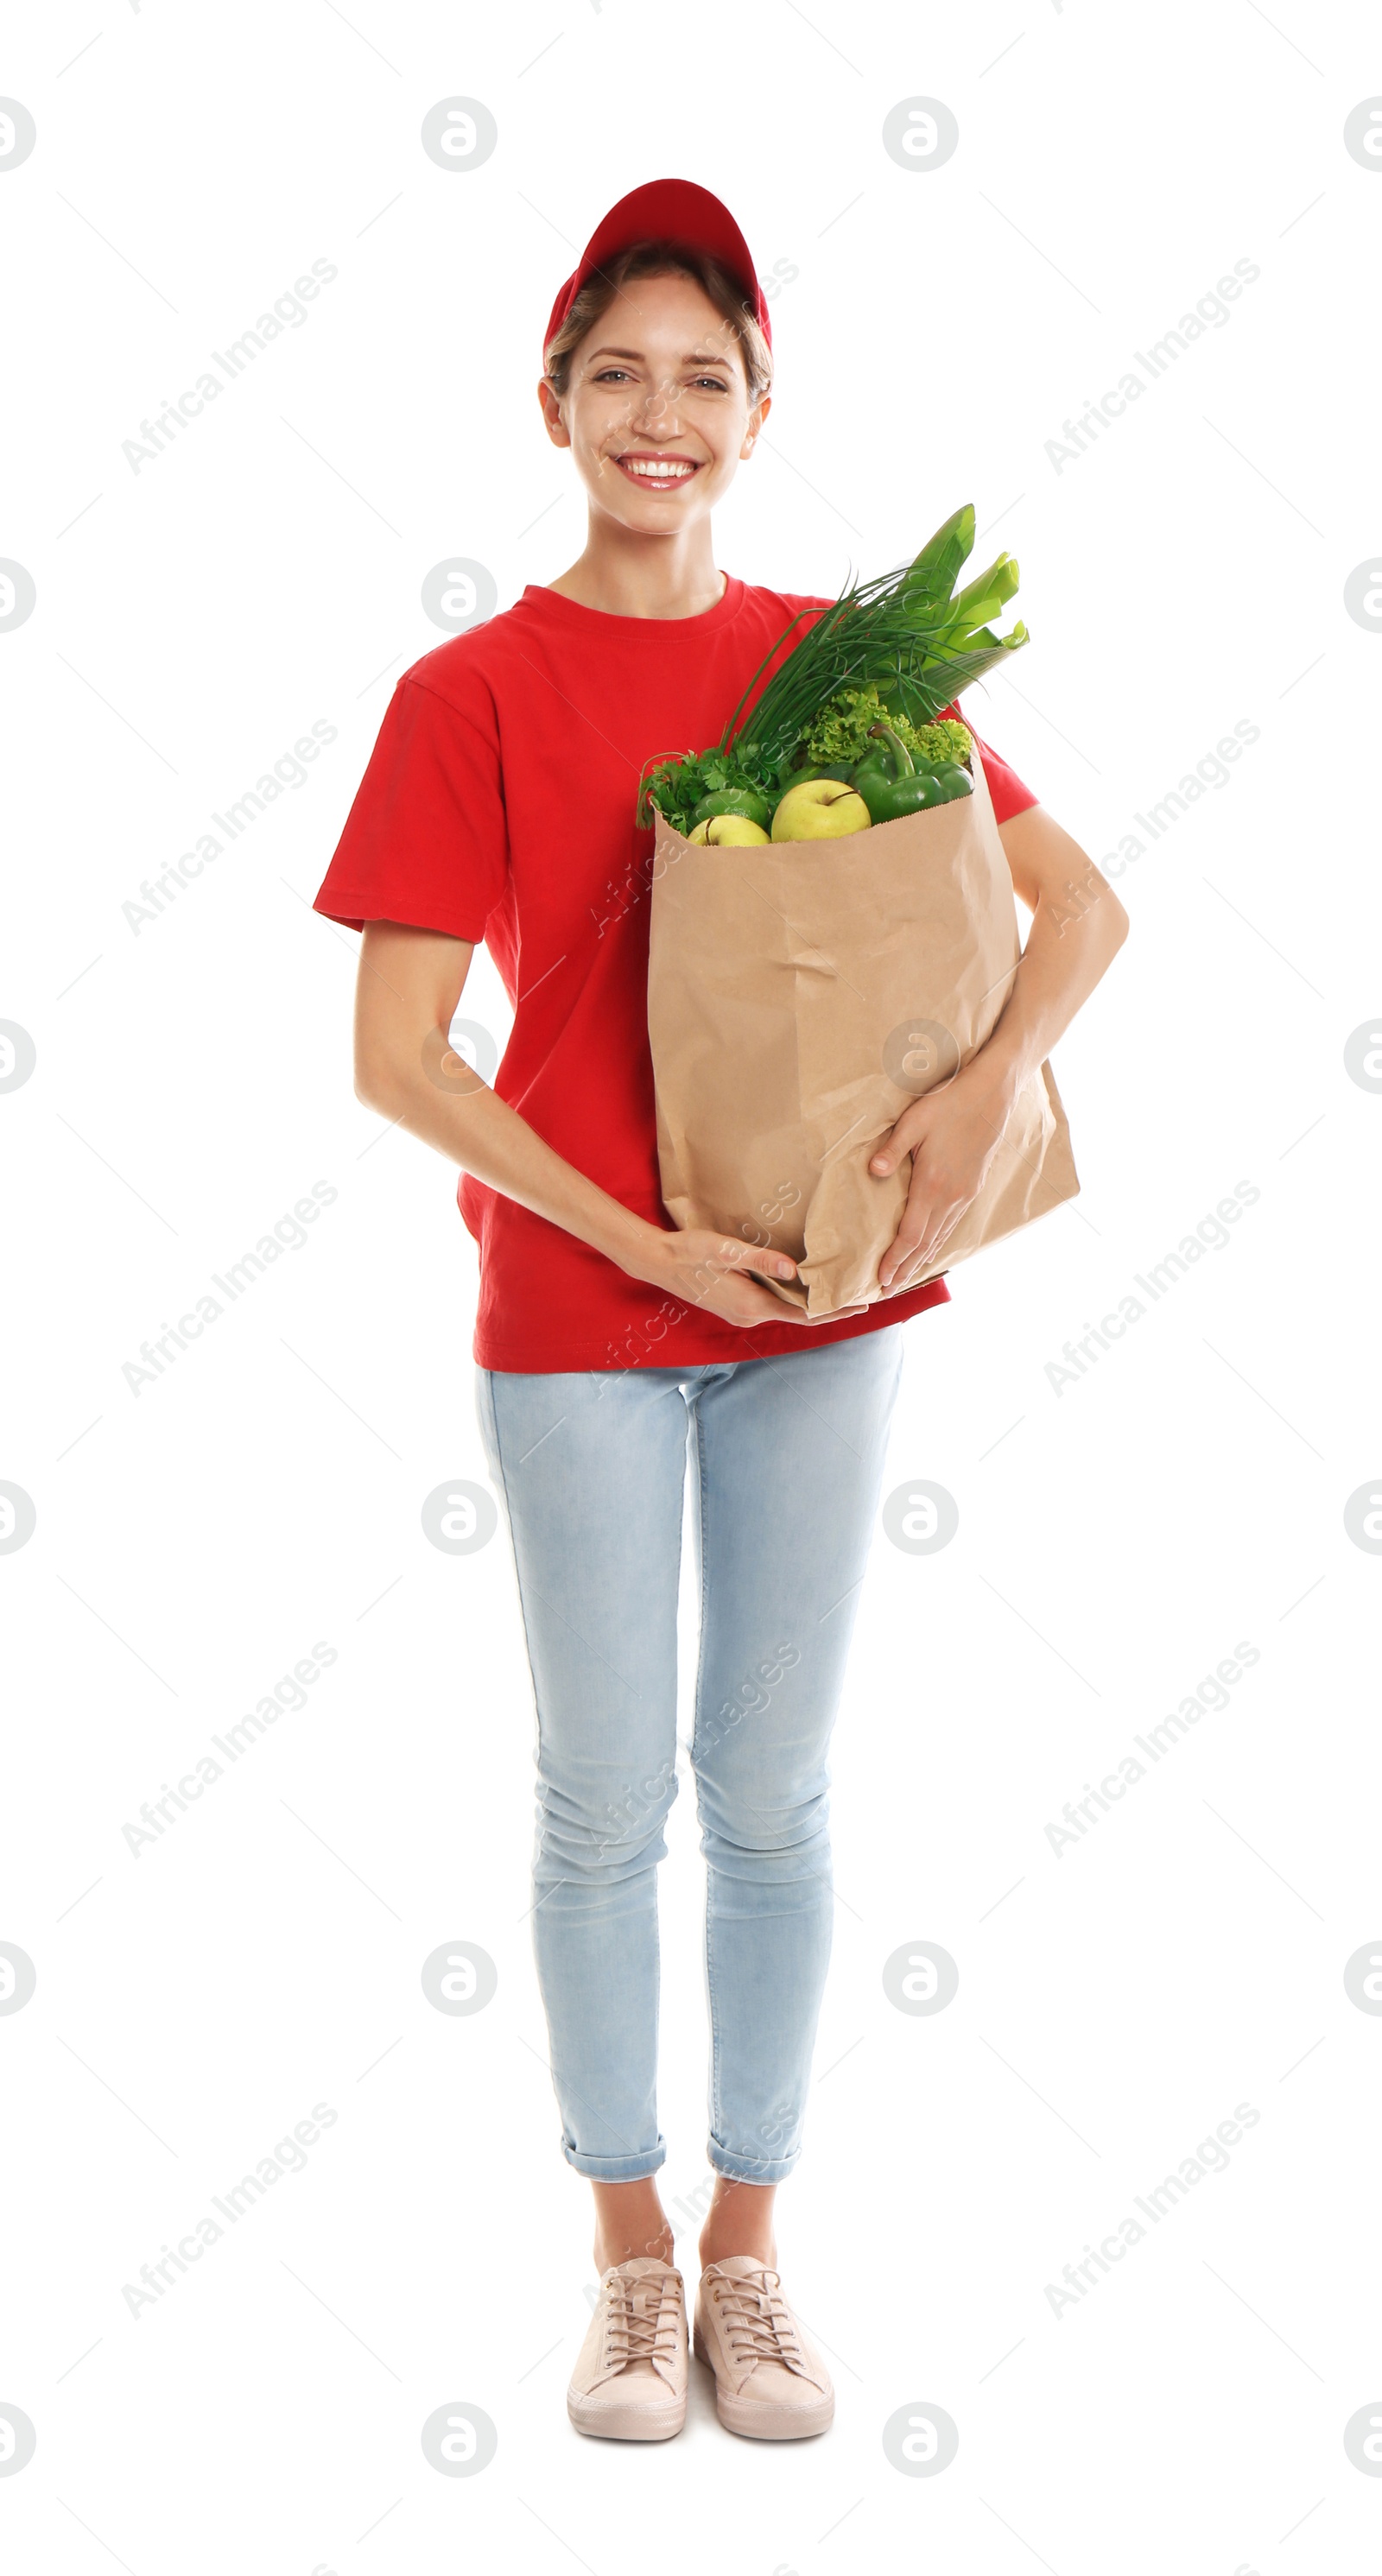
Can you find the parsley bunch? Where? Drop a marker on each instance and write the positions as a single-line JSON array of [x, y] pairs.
[[677, 786]]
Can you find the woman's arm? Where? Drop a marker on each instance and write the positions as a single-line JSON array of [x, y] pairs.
[[952, 1135], [409, 985]]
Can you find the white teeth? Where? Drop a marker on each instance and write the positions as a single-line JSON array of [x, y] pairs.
[[652, 472]]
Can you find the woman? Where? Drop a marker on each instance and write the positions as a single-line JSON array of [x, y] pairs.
[[498, 805]]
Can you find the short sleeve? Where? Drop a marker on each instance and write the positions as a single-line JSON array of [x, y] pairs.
[[426, 840], [1008, 792]]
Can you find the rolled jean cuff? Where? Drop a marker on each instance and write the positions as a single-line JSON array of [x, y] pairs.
[[761, 2169], [616, 2168]]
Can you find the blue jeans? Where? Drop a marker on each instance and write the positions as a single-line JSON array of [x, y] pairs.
[[591, 1466]]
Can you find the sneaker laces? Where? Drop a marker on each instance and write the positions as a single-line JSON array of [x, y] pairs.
[[759, 2325], [640, 2317]]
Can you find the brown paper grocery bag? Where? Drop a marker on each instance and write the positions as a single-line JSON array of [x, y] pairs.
[[799, 996]]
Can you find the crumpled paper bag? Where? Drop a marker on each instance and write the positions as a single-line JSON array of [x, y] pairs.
[[799, 996]]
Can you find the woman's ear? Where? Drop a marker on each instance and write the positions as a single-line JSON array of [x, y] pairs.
[[756, 419], [557, 430]]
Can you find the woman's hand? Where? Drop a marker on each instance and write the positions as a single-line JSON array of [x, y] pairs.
[[409, 987], [710, 1271], [952, 1136], [1078, 925]]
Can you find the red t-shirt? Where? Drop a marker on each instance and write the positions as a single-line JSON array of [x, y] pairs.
[[498, 805]]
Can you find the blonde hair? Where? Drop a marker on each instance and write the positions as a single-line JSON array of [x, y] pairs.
[[663, 259]]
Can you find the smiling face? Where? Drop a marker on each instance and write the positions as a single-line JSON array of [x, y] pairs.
[[657, 412]]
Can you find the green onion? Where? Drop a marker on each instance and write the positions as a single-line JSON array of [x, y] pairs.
[[903, 632]]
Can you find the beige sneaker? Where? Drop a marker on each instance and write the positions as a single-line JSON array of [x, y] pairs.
[[770, 2381], [629, 2383]]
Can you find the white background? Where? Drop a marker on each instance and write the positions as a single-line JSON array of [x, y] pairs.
[[1116, 1539]]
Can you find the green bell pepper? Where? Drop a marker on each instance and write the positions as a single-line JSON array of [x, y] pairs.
[[891, 784]]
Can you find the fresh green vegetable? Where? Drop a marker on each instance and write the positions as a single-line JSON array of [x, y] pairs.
[[933, 571], [938, 743], [734, 800], [884, 773], [899, 648], [845, 723], [839, 770], [902, 633], [680, 788], [891, 785], [841, 728]]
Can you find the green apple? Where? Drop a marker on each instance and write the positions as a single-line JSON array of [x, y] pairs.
[[820, 809], [732, 831], [726, 831]]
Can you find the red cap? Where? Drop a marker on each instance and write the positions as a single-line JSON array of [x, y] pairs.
[[664, 210]]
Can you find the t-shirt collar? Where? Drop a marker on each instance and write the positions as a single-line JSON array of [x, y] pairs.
[[556, 607]]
